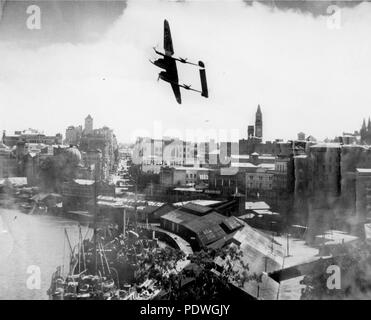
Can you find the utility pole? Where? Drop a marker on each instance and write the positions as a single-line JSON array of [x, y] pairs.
[[95, 223], [135, 206], [124, 223], [96, 172]]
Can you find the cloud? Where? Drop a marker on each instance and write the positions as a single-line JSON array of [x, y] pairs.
[[313, 7], [61, 21]]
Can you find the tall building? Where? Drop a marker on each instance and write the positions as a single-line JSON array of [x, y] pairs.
[[362, 195], [73, 135], [88, 125], [250, 132], [326, 175], [259, 123]]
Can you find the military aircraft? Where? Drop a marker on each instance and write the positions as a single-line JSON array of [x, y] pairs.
[[168, 63]]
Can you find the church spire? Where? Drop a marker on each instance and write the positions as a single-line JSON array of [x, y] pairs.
[[259, 123], [259, 110]]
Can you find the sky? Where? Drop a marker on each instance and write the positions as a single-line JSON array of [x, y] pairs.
[[308, 71]]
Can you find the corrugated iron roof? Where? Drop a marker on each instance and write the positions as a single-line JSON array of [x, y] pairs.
[[206, 227], [232, 223], [196, 208]]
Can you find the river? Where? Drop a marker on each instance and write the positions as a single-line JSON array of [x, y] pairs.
[[31, 247]]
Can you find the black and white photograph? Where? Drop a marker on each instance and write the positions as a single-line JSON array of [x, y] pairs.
[[185, 151]]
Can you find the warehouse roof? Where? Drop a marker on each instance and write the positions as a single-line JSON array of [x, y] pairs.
[[327, 145], [196, 208], [232, 223], [257, 205], [207, 227], [200, 202]]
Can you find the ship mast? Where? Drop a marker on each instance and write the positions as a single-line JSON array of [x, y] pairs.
[[96, 170]]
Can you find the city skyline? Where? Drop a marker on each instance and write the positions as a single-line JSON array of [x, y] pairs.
[[299, 83]]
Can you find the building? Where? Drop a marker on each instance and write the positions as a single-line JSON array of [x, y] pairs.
[[78, 192], [199, 225], [102, 139], [350, 138], [31, 136], [88, 128], [8, 163], [250, 132], [284, 176], [184, 176], [259, 124], [92, 158], [152, 154], [302, 176], [231, 180], [73, 135], [325, 160], [363, 197], [260, 180], [301, 136]]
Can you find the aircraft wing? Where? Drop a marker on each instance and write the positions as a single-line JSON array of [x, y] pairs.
[[168, 42], [176, 91]]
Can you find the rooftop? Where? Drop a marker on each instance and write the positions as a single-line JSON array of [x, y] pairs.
[[192, 168], [291, 289], [268, 166], [327, 145], [84, 181], [195, 208], [265, 212], [187, 189], [258, 205], [15, 181], [333, 237], [198, 202], [207, 227], [301, 156], [242, 165], [259, 249], [363, 170], [240, 156], [232, 223]]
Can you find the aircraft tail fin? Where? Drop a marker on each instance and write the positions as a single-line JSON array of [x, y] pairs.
[[205, 91]]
